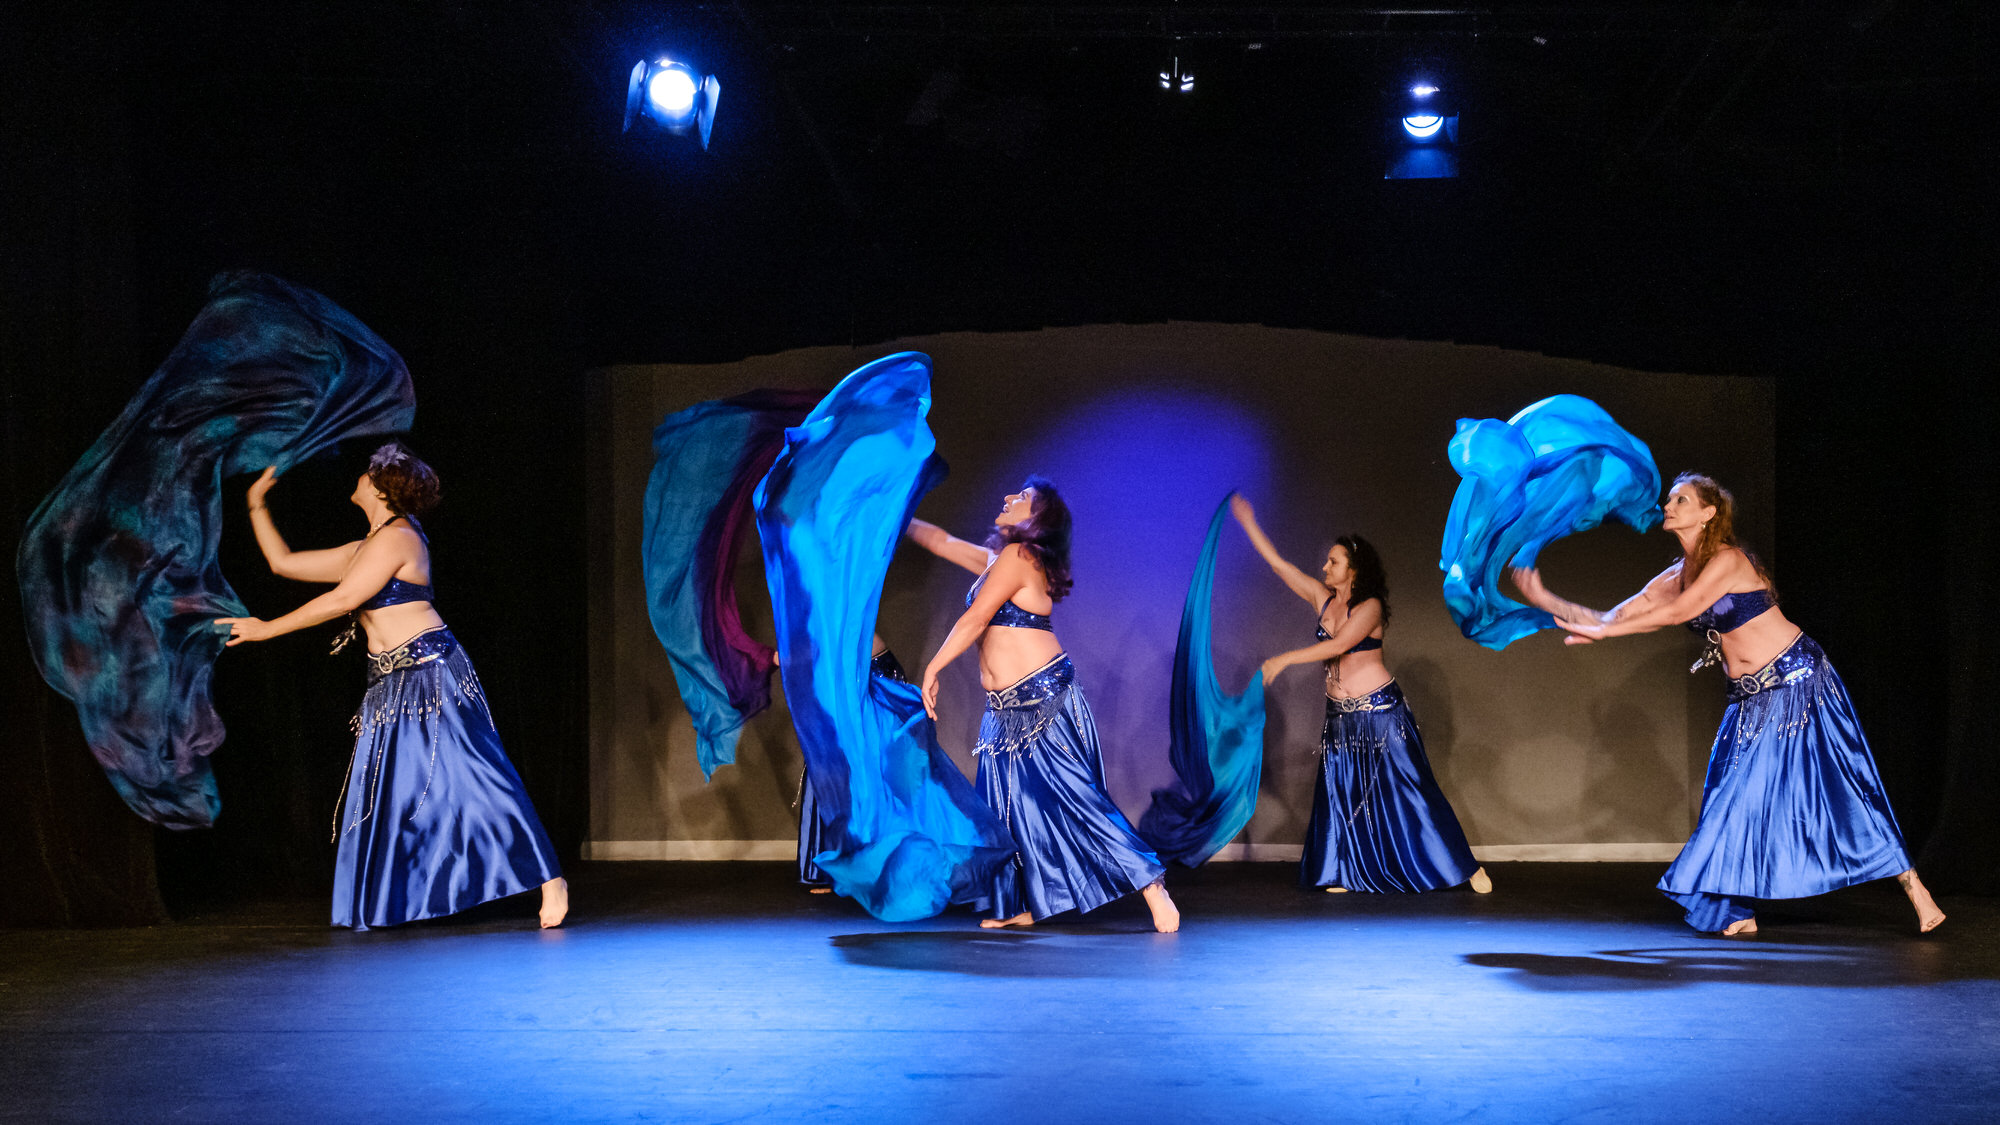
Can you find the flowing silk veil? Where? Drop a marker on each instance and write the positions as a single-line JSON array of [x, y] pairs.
[[1217, 740], [1556, 468], [118, 566], [906, 834], [707, 461]]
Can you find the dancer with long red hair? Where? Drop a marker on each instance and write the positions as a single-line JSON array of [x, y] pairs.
[[1792, 805]]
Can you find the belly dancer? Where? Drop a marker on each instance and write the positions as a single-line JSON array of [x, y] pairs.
[[434, 819], [1379, 821], [1791, 805], [1039, 763]]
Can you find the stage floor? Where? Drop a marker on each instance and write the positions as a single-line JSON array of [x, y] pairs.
[[722, 993]]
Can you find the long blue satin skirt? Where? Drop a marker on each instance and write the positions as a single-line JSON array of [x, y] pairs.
[[1791, 805], [1379, 821], [434, 818], [1040, 768]]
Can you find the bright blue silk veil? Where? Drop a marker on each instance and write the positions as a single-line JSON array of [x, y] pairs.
[[119, 569], [1558, 467], [1217, 740], [906, 833]]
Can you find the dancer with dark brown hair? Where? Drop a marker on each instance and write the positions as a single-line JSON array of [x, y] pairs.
[[1791, 805], [1039, 763], [1379, 820], [434, 819]]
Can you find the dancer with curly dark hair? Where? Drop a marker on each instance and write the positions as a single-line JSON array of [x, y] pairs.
[[1039, 763], [434, 819], [1379, 821]]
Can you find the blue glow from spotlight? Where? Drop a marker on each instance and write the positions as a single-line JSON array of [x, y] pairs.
[[1422, 126], [1423, 91], [672, 91]]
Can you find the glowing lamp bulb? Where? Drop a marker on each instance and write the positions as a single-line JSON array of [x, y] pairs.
[[1422, 126], [672, 92]]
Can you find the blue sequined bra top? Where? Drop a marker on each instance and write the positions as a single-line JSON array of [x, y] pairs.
[[1365, 644], [1732, 611], [1009, 614], [397, 592]]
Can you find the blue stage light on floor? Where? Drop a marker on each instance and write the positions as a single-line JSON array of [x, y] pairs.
[[672, 95]]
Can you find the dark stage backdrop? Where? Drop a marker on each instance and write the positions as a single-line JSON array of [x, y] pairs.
[[1547, 751]]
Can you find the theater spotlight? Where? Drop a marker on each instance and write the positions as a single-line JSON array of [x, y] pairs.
[[672, 96], [1423, 135], [1174, 78]]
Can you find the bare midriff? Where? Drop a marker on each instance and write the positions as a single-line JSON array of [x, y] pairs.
[[1355, 674], [393, 626], [1757, 642], [1008, 654]]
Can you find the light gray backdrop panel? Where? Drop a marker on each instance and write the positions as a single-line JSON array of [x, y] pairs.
[[1145, 428]]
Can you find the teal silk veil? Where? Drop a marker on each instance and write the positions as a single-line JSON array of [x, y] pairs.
[[119, 569], [707, 461], [1558, 467], [1217, 740]]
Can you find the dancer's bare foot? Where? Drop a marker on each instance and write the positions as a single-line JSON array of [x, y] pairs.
[[1929, 917], [1166, 916], [1482, 883], [1022, 919], [1741, 926], [555, 902], [819, 890], [1335, 890]]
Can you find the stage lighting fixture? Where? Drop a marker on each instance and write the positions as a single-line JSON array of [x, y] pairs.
[[1423, 126], [1173, 78], [1423, 135], [673, 96]]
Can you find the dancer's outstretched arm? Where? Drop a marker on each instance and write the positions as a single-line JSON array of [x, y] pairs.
[[1298, 581], [1010, 573], [1361, 621], [379, 560], [1661, 604], [948, 547], [305, 566]]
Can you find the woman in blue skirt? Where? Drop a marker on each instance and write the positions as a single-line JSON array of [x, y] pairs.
[[1792, 805], [1379, 821], [1039, 764], [434, 819]]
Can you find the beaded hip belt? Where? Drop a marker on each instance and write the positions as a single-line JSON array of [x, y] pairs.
[[1798, 662], [1381, 699], [423, 648], [1017, 714]]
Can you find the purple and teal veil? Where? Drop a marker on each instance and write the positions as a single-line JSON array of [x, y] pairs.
[[906, 834], [118, 567], [707, 461], [1558, 467], [1217, 740]]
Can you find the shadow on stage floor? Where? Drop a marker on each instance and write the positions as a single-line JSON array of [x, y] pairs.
[[722, 992]]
